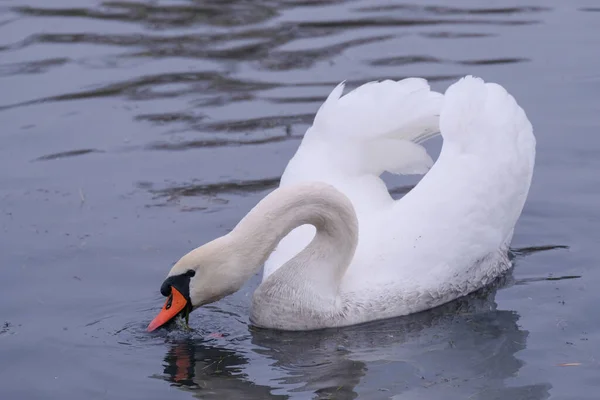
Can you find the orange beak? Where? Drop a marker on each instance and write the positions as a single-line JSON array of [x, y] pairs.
[[173, 306]]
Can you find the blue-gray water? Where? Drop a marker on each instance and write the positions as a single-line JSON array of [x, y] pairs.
[[132, 131]]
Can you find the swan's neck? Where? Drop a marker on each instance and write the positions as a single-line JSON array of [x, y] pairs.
[[321, 265]]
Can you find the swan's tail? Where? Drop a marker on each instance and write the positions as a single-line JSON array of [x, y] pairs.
[[386, 120]]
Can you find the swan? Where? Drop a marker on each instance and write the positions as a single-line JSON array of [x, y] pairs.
[[337, 249]]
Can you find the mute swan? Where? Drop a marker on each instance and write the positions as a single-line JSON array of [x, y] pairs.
[[347, 253]]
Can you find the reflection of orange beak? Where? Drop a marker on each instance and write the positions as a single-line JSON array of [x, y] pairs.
[[183, 364], [173, 306]]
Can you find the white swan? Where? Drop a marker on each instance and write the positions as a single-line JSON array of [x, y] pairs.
[[373, 257]]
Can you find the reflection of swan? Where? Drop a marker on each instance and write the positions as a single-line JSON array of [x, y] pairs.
[[211, 372], [446, 238], [464, 349]]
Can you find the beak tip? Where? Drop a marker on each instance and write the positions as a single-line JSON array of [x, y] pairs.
[[174, 304]]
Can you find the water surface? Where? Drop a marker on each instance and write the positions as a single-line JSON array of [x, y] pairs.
[[132, 131]]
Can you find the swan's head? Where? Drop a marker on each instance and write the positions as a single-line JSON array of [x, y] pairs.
[[202, 276]]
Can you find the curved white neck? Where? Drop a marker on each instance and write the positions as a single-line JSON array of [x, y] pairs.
[[322, 264]]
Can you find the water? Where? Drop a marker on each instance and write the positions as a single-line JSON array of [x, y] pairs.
[[132, 131]]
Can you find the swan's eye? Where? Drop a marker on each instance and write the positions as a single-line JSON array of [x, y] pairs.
[[190, 273]]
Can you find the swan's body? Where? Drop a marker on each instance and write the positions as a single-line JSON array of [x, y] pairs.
[[373, 257]]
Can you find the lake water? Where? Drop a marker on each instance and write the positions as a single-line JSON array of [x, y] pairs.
[[132, 131]]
